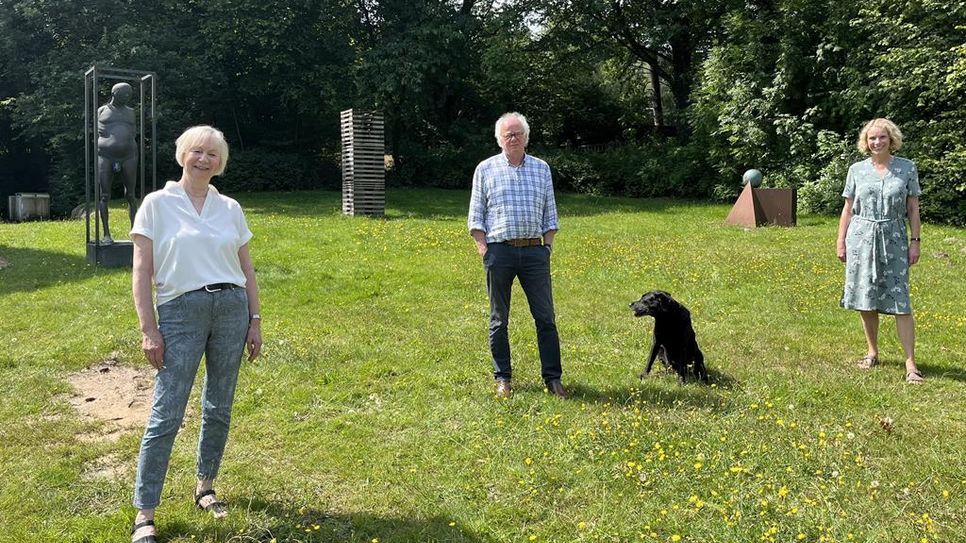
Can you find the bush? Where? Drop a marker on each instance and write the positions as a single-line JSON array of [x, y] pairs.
[[668, 169], [940, 174], [821, 192], [943, 182], [574, 170], [261, 169], [658, 167], [65, 182], [939, 148], [447, 167], [655, 168]]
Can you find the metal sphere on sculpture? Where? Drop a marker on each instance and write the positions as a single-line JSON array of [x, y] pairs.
[[753, 177]]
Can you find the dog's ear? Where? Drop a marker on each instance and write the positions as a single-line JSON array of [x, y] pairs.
[[667, 300], [651, 300], [663, 302]]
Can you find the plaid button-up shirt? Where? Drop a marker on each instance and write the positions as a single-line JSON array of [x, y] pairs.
[[511, 202]]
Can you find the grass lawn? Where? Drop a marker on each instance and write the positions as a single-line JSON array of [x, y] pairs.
[[371, 414]]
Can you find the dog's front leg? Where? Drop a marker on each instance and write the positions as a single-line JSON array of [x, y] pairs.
[[700, 371], [650, 359]]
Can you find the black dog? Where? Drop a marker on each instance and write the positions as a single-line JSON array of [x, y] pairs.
[[673, 335]]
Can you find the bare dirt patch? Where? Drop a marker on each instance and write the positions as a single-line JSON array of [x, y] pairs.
[[4, 263], [116, 395], [110, 466]]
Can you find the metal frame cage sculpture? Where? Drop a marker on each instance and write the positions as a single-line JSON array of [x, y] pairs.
[[117, 254]]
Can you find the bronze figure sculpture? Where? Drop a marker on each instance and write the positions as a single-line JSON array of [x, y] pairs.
[[117, 152]]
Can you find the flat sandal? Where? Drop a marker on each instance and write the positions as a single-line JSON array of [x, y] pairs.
[[146, 539], [217, 508], [915, 377], [868, 362]]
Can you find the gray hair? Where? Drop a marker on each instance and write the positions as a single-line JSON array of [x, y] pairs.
[[504, 117]]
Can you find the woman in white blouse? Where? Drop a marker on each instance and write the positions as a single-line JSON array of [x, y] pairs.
[[193, 242]]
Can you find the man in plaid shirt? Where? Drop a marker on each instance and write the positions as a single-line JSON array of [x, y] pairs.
[[513, 219]]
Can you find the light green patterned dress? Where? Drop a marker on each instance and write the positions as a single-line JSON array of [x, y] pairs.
[[876, 246]]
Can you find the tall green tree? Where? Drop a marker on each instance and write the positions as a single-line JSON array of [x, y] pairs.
[[764, 89], [669, 37], [790, 82], [415, 60], [271, 77], [915, 73]]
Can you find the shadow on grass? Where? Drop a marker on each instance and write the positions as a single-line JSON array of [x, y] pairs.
[[942, 372], [445, 204], [285, 522], [32, 269], [691, 394], [931, 371]]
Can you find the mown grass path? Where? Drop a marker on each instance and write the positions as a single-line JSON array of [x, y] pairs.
[[371, 414]]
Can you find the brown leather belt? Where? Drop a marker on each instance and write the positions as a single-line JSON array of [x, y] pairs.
[[524, 242]]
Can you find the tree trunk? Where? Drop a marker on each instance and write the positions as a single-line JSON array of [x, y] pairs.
[[658, 106], [682, 60]]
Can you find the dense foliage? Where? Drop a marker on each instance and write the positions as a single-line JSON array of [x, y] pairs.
[[789, 84], [626, 97]]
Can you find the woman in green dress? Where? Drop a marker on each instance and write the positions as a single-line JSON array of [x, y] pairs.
[[881, 194]]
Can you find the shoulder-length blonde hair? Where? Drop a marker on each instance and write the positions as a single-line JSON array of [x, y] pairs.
[[197, 135], [895, 135]]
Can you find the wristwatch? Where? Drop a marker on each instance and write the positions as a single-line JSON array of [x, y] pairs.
[[255, 317]]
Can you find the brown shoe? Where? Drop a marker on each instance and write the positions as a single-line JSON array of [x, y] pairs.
[[556, 387], [503, 388]]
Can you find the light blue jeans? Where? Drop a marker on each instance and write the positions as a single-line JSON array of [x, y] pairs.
[[214, 324]]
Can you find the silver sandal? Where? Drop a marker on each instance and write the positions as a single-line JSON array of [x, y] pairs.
[[868, 362]]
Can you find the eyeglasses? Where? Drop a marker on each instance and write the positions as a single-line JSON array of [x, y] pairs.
[[510, 135]]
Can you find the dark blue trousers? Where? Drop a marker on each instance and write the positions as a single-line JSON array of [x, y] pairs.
[[531, 265]]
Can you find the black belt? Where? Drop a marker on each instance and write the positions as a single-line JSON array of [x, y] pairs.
[[217, 287]]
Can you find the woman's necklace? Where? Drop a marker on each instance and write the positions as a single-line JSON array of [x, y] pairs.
[[197, 200], [198, 196]]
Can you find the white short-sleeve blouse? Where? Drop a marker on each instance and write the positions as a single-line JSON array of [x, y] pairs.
[[192, 250]]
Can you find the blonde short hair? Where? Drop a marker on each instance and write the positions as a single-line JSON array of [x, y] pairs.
[[499, 125], [895, 135], [196, 135]]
